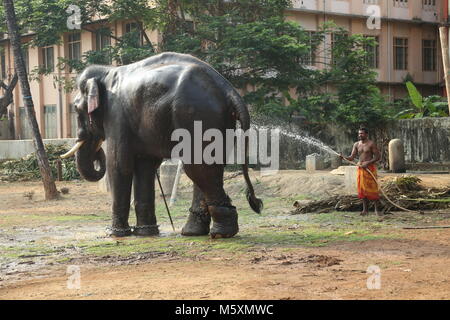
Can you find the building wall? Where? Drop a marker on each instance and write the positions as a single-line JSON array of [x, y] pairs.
[[396, 22], [46, 92], [412, 21], [406, 10]]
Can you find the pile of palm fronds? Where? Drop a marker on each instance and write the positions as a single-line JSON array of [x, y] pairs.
[[27, 168], [405, 191]]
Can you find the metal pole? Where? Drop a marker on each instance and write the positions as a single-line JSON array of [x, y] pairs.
[[165, 202]]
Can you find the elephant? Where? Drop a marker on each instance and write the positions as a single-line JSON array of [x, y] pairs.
[[136, 108]]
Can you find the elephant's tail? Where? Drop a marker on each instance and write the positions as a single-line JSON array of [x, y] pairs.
[[243, 116]]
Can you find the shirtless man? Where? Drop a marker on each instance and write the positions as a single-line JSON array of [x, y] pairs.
[[368, 156]]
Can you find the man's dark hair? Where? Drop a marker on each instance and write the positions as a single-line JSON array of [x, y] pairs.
[[364, 129]]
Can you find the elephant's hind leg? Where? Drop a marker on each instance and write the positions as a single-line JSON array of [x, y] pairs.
[[199, 219], [144, 196], [209, 178]]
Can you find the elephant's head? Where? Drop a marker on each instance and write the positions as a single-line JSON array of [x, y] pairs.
[[90, 103]]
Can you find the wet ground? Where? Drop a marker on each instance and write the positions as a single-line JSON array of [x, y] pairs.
[[274, 256]]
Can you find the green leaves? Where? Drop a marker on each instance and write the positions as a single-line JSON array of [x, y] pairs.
[[432, 106], [276, 62], [415, 95]]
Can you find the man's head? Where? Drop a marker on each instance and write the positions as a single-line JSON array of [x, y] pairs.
[[363, 134]]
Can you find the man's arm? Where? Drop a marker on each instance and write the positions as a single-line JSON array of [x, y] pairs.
[[353, 155]]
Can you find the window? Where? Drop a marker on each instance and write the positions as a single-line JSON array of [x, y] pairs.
[[3, 63], [373, 58], [48, 59], [401, 3], [401, 54], [73, 120], [103, 41], [335, 38], [429, 55], [310, 58], [428, 3], [50, 121], [102, 38], [133, 27], [74, 47], [25, 129]]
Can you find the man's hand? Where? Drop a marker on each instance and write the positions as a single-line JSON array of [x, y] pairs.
[[364, 164]]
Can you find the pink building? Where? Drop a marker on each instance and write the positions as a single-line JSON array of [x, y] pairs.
[[406, 32]]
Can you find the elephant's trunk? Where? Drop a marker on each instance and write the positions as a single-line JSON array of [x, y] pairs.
[[87, 155]]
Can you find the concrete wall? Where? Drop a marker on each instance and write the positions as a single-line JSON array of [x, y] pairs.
[[425, 140], [15, 149], [4, 129]]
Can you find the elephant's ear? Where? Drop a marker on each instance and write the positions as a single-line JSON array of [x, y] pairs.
[[93, 95]]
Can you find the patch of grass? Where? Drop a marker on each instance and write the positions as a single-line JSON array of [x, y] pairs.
[[63, 260], [28, 220], [273, 228], [127, 247], [306, 237], [372, 222], [20, 252], [230, 245]]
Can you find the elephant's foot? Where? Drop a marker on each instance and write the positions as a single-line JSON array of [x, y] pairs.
[[197, 224], [146, 230], [120, 232], [225, 222]]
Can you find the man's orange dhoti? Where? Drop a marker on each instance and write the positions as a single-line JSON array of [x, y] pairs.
[[367, 186]]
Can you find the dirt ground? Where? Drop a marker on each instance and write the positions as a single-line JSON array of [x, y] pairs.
[[275, 255]]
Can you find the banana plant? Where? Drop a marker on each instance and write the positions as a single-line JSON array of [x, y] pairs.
[[431, 106]]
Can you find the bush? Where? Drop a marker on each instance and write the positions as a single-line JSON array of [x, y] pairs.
[[27, 168]]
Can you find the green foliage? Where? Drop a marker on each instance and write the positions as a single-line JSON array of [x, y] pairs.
[[27, 168], [47, 20], [415, 95], [432, 106], [248, 41], [407, 183], [359, 101], [269, 55], [41, 15]]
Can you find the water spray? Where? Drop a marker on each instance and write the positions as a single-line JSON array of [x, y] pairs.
[[268, 124]]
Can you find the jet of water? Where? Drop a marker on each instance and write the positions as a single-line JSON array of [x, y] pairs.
[[302, 138]]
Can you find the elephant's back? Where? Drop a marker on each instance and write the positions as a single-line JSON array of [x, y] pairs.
[[138, 79], [169, 97]]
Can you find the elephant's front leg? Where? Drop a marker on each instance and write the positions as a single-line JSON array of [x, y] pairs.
[[144, 196], [120, 174]]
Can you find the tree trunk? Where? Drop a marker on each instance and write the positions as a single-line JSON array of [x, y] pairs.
[[7, 98], [14, 36]]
